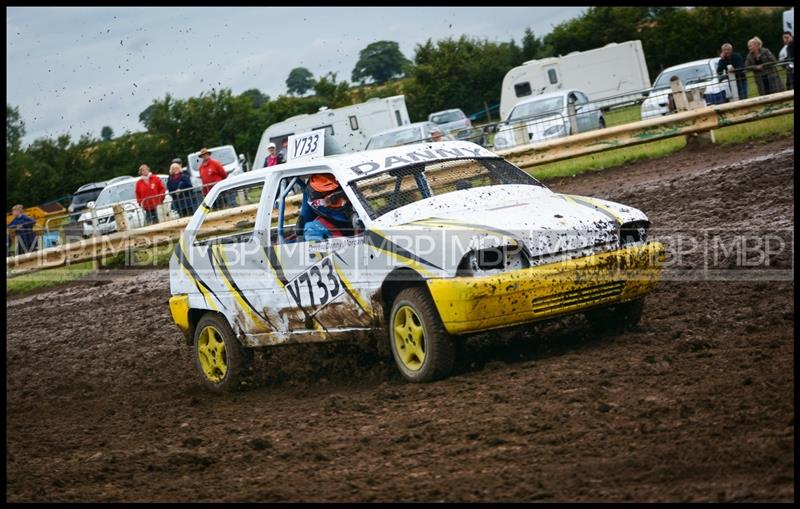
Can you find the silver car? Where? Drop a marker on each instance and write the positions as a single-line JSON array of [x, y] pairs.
[[546, 117], [403, 135], [450, 121]]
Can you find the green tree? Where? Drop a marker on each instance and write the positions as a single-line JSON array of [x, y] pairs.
[[531, 46], [106, 133], [257, 99], [458, 73], [300, 81], [332, 93], [381, 61], [15, 129]]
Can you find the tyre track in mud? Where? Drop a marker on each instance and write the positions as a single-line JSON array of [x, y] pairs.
[[696, 404]]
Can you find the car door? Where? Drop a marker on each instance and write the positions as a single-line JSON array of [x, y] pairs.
[[317, 290], [587, 117]]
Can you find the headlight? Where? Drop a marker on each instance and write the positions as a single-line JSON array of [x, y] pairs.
[[492, 260], [556, 129], [500, 141], [634, 232]]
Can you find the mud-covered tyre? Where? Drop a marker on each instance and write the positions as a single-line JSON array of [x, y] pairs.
[[616, 318], [220, 359], [422, 349]]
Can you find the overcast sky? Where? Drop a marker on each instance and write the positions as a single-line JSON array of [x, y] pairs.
[[75, 69]]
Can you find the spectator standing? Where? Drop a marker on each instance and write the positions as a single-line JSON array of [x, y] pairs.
[[282, 152], [179, 185], [763, 63], [728, 58], [211, 171], [787, 53], [150, 193], [21, 227], [436, 134], [272, 158]]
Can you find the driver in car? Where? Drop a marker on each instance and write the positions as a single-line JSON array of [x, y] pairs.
[[326, 212]]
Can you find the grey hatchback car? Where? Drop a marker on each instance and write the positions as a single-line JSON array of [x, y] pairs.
[[450, 121]]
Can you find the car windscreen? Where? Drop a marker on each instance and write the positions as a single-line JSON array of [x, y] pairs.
[[82, 198], [116, 194], [225, 156], [392, 189], [687, 75], [536, 108], [395, 138], [448, 116]]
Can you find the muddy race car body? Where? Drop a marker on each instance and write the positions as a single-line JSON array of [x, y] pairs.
[[446, 239]]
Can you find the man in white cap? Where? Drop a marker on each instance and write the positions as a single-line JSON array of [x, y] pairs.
[[272, 158]]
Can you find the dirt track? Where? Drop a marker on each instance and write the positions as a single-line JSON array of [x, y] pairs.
[[697, 404]]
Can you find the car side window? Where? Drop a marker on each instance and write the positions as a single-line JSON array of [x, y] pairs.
[[290, 216], [213, 230]]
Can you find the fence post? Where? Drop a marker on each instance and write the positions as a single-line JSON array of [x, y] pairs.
[[119, 218], [572, 114], [679, 94], [733, 84]]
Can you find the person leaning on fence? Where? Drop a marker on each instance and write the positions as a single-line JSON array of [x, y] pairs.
[[787, 54], [179, 186], [211, 171], [728, 58], [21, 228], [150, 193], [763, 63]]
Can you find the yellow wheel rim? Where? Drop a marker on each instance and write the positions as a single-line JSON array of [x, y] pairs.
[[211, 353], [409, 338]]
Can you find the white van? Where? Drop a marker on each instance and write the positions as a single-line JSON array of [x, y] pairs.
[[225, 154], [603, 74], [349, 126]]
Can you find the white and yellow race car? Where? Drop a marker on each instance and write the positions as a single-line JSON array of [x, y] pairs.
[[415, 245]]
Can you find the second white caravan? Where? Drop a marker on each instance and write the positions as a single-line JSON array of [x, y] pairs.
[[349, 126], [602, 73]]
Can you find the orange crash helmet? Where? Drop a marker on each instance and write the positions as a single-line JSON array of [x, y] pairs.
[[326, 191]]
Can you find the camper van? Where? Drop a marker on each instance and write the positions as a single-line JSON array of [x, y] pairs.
[[604, 74], [349, 127]]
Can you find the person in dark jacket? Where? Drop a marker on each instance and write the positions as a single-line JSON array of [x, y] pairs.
[[728, 57], [21, 227], [179, 185], [787, 54], [764, 70]]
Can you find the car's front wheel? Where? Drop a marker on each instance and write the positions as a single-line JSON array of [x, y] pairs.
[[616, 318], [220, 359], [421, 347]]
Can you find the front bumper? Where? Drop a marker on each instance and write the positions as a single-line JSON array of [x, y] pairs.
[[472, 304]]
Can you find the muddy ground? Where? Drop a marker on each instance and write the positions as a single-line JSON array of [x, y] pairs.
[[696, 404]]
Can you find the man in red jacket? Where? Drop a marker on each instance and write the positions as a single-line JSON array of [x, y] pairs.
[[211, 171], [150, 193]]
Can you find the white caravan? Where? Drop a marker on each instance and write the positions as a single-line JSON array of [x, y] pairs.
[[349, 127], [603, 73]]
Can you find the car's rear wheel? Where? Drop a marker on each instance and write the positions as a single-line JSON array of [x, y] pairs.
[[421, 347], [616, 318], [220, 359]]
